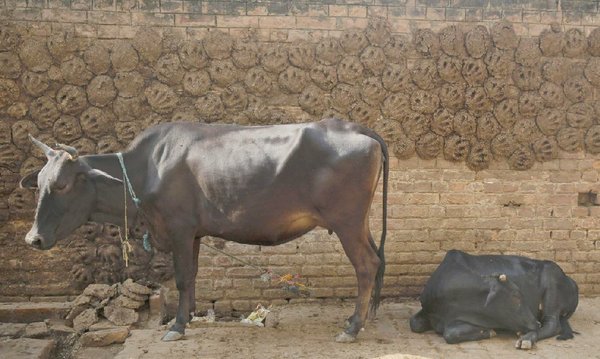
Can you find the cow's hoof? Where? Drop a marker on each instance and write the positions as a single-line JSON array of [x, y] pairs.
[[172, 336], [524, 344], [344, 337]]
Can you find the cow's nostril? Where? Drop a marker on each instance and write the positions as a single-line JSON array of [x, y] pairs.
[[37, 242]]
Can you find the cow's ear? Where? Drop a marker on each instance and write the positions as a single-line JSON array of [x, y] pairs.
[[30, 180], [102, 177], [495, 288]]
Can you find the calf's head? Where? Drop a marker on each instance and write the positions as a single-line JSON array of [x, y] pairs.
[[67, 191], [506, 301]]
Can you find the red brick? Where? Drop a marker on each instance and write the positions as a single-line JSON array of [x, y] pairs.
[[148, 18], [62, 15], [377, 11], [171, 6], [274, 22], [320, 22], [455, 14], [435, 13], [109, 17], [237, 21], [317, 10], [340, 10], [344, 23], [21, 14], [10, 4], [85, 30], [256, 9]]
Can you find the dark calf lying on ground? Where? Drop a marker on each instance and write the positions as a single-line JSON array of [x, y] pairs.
[[468, 297]]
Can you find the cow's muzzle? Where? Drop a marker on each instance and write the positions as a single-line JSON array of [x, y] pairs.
[[37, 241]]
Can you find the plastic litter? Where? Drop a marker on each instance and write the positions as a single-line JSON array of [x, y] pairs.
[[208, 318], [257, 317]]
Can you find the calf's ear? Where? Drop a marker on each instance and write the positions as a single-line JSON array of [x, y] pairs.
[[495, 288], [30, 180]]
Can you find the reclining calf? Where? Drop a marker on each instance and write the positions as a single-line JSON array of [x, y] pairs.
[[469, 297]]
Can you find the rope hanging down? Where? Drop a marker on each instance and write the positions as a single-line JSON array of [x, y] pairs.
[[290, 282], [136, 201]]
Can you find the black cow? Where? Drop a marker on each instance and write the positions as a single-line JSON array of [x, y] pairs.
[[261, 185], [468, 296]]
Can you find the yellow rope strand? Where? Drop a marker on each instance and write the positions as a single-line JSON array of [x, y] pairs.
[[125, 245]]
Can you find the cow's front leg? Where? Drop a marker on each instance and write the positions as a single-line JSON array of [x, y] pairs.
[[458, 331], [183, 260], [550, 327]]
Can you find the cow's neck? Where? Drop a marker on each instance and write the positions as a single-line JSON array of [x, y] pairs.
[[110, 206]]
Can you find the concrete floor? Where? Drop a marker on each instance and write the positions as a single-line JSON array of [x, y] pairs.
[[307, 331]]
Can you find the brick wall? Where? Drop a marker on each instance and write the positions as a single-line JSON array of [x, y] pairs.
[[512, 184]]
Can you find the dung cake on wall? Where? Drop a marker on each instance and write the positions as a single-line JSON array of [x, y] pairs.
[[467, 93]]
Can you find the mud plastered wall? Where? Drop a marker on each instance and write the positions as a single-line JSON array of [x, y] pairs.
[[494, 137]]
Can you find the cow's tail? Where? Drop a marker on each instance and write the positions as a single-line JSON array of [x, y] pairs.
[[566, 332], [376, 296]]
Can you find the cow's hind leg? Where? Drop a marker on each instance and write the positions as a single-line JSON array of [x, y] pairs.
[[366, 262], [183, 249], [192, 291], [458, 332]]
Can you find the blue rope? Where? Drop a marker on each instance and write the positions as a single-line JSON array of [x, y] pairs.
[[136, 201]]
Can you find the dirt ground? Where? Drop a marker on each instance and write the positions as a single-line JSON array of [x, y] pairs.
[[308, 330]]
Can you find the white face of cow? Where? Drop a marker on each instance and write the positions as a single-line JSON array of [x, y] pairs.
[[66, 196]]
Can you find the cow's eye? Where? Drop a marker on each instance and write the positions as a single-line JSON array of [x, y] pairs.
[[59, 186]]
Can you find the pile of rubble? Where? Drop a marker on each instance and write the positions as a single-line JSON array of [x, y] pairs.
[[103, 313]]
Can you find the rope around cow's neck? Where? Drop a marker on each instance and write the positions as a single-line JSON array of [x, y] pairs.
[[125, 245]]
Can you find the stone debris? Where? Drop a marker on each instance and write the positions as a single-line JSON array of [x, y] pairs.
[[128, 293], [101, 325], [120, 316], [100, 291], [82, 300], [36, 330], [59, 327], [26, 348], [12, 330], [84, 320], [126, 302], [104, 337], [102, 306]]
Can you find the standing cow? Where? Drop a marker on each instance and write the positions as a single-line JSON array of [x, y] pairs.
[[468, 296], [262, 185]]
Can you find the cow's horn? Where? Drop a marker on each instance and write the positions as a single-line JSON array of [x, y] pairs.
[[72, 151], [48, 151], [502, 277]]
